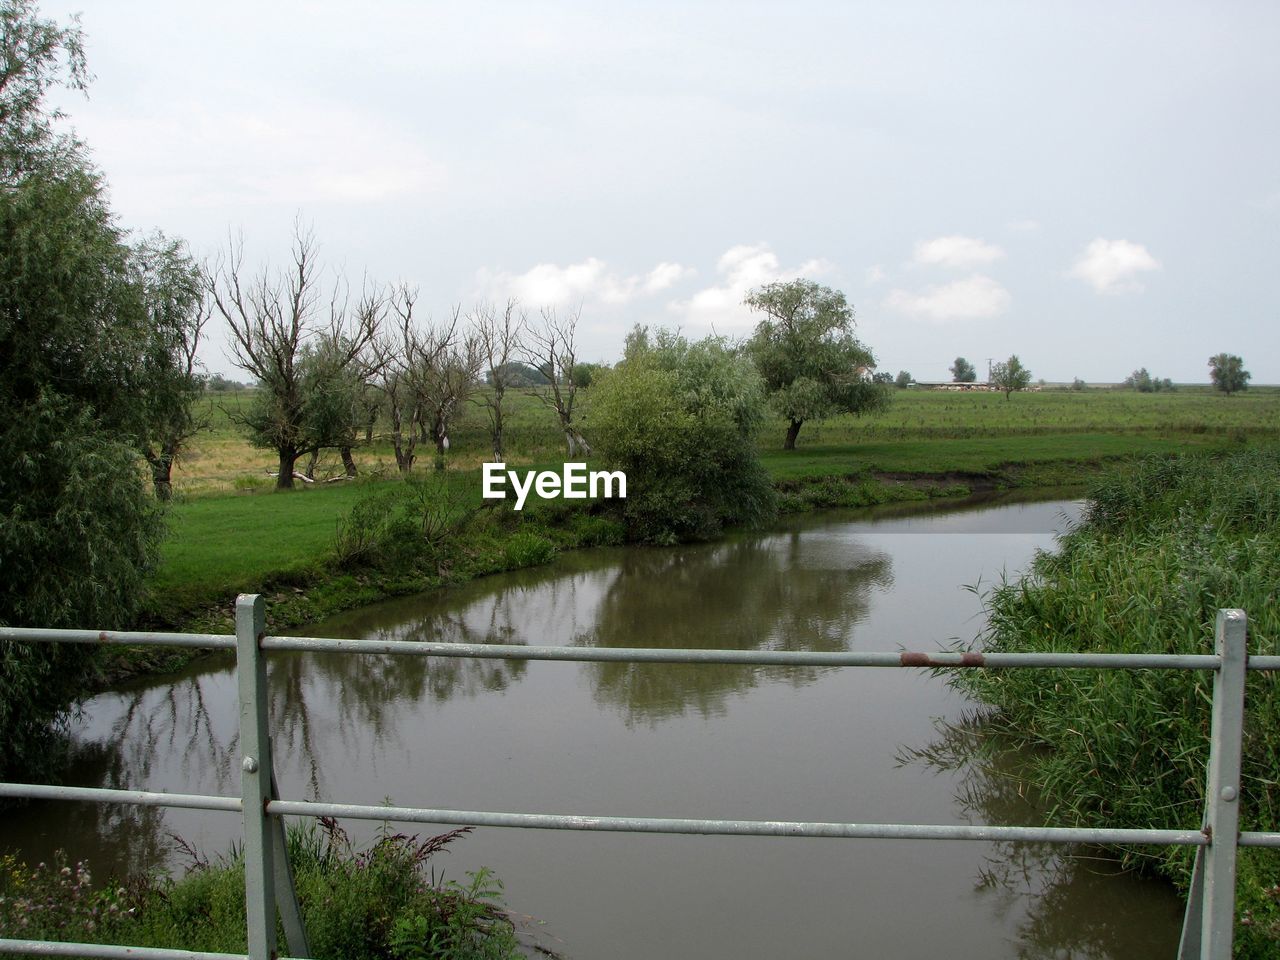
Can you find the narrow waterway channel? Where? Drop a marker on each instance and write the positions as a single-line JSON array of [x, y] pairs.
[[661, 740]]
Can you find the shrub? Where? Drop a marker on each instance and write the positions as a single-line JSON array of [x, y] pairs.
[[376, 904], [526, 549], [679, 418]]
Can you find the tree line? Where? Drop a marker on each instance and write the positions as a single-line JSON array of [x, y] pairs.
[[330, 364]]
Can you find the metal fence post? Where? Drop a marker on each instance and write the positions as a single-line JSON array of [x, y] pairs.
[[1222, 791], [255, 778]]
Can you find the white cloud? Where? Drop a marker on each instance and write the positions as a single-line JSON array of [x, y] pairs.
[[957, 251], [591, 280], [741, 268], [972, 298], [1113, 266], [875, 274]]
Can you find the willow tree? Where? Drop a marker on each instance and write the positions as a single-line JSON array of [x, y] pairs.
[[78, 529], [805, 350], [178, 312], [272, 317]]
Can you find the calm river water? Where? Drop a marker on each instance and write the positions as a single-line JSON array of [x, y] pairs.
[[661, 740]]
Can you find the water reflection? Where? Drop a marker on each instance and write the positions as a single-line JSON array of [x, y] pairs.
[[789, 592], [731, 741], [1051, 889]]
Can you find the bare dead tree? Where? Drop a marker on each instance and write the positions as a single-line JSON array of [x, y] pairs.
[[446, 377], [499, 340], [403, 353], [550, 347], [271, 316]]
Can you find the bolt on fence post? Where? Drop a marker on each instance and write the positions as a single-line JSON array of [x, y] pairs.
[[1222, 793], [255, 778]]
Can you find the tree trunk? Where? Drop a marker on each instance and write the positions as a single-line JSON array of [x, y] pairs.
[[793, 431], [404, 457], [284, 479], [311, 465], [160, 477], [348, 462], [368, 426]]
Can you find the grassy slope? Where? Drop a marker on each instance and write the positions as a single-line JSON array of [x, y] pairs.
[[224, 541]]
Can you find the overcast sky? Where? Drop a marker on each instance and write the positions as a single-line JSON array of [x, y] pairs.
[[1093, 186]]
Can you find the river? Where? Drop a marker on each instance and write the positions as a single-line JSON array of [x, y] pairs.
[[663, 741]]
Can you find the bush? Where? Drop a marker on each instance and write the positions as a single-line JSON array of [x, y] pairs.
[[407, 525], [679, 418], [376, 904], [526, 549]]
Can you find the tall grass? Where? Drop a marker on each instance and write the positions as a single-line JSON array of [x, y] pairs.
[[382, 903], [1161, 547]]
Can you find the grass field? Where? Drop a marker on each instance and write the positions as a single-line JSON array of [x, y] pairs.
[[230, 532], [1028, 427]]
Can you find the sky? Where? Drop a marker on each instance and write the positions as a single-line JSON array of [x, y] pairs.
[[1091, 186]]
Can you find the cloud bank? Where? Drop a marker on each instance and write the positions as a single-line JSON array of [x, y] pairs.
[[957, 251], [1113, 266], [974, 298]]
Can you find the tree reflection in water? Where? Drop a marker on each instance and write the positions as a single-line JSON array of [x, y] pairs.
[[763, 593], [1068, 896]]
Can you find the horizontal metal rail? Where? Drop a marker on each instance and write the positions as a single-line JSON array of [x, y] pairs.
[[107, 951], [763, 658], [209, 641], [1208, 923], [139, 798], [666, 825], [741, 828]]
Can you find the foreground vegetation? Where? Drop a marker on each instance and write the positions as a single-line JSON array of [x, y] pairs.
[[383, 903], [1163, 545]]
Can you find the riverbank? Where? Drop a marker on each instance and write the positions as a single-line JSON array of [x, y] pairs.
[[298, 548], [1163, 546]]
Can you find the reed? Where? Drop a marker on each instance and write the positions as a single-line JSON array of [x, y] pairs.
[[1161, 547]]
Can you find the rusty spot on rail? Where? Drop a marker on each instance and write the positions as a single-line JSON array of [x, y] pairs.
[[909, 659], [104, 637]]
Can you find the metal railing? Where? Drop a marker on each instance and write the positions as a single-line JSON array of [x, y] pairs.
[[269, 890]]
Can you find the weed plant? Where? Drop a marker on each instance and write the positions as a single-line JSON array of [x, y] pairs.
[[1161, 547], [382, 903]]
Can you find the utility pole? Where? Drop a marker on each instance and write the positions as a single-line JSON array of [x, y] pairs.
[[989, 362]]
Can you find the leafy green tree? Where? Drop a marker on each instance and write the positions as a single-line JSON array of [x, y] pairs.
[[1010, 375], [962, 371], [178, 312], [1140, 380], [1143, 382], [1228, 374], [903, 380], [805, 350], [78, 530], [680, 419], [35, 55]]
